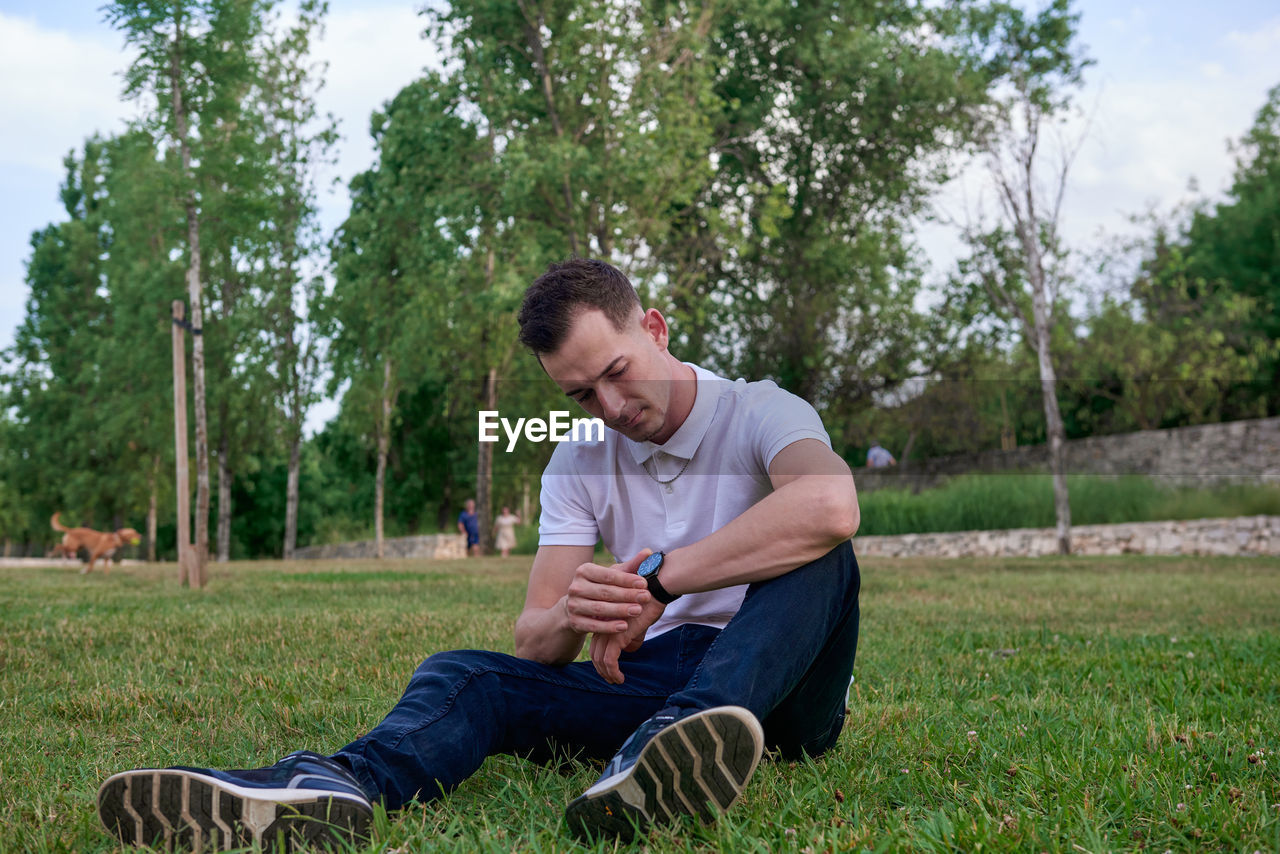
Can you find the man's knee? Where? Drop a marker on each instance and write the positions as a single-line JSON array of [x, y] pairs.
[[455, 664], [844, 556]]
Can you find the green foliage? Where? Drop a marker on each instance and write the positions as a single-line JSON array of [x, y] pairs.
[[833, 118], [753, 167], [83, 392], [91, 386], [1112, 704], [1182, 369], [1002, 501], [1225, 266], [1189, 344]]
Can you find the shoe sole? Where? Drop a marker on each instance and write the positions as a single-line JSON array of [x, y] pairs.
[[697, 766], [179, 810]]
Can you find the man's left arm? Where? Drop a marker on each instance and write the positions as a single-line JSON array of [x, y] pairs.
[[812, 509]]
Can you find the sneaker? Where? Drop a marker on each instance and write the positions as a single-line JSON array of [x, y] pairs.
[[676, 763], [303, 801]]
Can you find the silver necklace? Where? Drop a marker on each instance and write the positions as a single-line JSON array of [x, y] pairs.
[[666, 483]]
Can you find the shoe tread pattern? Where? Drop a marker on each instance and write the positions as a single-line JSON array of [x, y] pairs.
[[174, 811], [697, 766]]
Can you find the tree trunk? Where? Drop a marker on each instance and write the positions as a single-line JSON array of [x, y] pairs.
[[294, 366], [444, 514], [195, 304], [1008, 436], [291, 496], [1027, 226], [224, 504], [1052, 415], [201, 412], [905, 457], [384, 443], [484, 470]]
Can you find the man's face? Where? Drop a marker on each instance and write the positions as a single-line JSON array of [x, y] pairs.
[[619, 376]]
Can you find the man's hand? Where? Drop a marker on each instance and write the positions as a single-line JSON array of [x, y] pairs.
[[602, 599], [606, 648]]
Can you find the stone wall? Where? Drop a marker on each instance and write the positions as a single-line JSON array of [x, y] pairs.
[[1245, 535], [438, 546], [1203, 454]]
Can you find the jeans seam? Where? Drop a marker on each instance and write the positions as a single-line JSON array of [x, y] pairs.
[[687, 652], [697, 671]]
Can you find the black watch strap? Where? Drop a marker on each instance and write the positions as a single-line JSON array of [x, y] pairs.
[[659, 592]]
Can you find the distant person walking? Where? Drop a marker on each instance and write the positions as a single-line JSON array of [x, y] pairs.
[[504, 531], [470, 525], [879, 458]]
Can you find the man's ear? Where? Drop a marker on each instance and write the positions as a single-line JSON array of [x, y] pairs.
[[655, 326]]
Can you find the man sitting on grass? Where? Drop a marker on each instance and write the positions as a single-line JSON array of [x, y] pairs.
[[729, 623]]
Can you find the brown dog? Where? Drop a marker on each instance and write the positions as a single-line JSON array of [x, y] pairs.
[[98, 543], [61, 551]]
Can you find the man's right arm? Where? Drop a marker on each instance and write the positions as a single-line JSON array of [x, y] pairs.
[[569, 597]]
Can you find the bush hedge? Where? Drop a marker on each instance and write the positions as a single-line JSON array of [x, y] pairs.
[[999, 501]]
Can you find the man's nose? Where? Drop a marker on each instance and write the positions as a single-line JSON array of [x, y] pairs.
[[611, 401]]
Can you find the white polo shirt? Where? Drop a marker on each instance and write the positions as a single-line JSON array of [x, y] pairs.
[[610, 489]]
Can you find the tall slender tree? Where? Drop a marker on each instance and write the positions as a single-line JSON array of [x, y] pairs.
[[1020, 264], [195, 67], [301, 142]]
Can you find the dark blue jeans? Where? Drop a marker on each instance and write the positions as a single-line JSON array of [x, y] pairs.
[[787, 655]]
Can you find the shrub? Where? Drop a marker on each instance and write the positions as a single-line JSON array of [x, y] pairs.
[[999, 501]]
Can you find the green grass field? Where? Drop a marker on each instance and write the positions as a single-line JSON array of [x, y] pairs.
[[1072, 705]]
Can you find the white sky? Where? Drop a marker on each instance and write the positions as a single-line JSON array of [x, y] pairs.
[[1173, 82]]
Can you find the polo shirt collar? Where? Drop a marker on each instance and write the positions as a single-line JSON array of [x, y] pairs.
[[684, 442]]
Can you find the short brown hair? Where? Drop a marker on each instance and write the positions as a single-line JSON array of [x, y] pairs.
[[554, 299]]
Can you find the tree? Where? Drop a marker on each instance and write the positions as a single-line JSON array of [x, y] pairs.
[[82, 358], [833, 119], [233, 101], [1170, 373], [384, 254], [301, 143], [142, 223], [1178, 348], [587, 124], [1233, 247], [195, 59], [1020, 263], [54, 385], [752, 167]]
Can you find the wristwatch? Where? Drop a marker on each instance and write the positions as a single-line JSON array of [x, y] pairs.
[[649, 568]]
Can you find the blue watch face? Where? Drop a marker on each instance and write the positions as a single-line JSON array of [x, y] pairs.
[[650, 565]]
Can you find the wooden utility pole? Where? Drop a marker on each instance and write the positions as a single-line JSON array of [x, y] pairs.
[[188, 567]]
